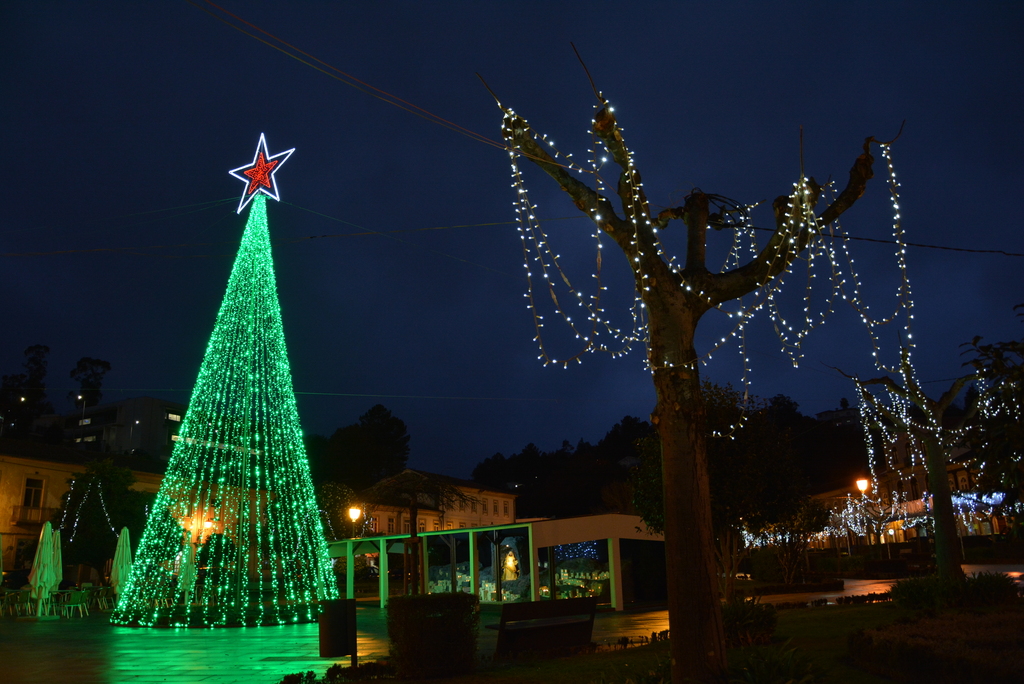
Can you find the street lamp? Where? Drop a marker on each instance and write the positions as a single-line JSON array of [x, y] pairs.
[[353, 515], [862, 485], [131, 435]]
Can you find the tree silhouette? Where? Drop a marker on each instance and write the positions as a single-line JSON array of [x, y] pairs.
[[23, 395], [89, 374], [363, 453]]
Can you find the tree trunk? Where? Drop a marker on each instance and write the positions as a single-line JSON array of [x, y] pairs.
[[947, 544], [695, 611]]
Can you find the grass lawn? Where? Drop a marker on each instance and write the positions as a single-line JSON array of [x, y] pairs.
[[818, 632], [821, 634]]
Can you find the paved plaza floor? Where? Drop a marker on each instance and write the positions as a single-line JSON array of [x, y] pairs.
[[90, 650]]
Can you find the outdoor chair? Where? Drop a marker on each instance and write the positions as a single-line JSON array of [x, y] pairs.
[[76, 599], [105, 598], [7, 602], [18, 602]]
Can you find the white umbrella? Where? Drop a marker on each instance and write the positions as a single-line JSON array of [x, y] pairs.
[[187, 571], [42, 578], [122, 565], [58, 562]]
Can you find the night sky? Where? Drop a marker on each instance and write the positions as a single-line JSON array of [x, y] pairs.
[[400, 270]]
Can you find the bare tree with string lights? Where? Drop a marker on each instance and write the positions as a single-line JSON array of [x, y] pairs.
[[672, 296]]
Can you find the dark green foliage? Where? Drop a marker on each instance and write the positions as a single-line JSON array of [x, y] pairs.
[[766, 567], [89, 374], [600, 482], [336, 673], [952, 648], [749, 622], [991, 589], [99, 499], [778, 665], [935, 593], [433, 635], [23, 395], [753, 474], [363, 453], [997, 441]]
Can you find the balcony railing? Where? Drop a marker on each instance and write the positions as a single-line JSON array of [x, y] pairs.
[[31, 515]]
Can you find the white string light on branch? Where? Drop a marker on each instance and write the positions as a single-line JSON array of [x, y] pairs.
[[800, 229]]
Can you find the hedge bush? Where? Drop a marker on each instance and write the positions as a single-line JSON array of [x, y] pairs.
[[433, 635], [748, 623], [934, 593], [951, 648]]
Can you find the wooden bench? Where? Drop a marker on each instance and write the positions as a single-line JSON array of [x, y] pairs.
[[545, 625]]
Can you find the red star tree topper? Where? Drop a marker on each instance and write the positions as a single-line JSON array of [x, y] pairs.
[[258, 176]]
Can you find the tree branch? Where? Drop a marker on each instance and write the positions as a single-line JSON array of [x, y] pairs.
[[521, 137], [695, 213], [784, 247]]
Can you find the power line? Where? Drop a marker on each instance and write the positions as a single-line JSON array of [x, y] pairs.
[[391, 234]]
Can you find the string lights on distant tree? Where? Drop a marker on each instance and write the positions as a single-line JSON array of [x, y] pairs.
[[237, 492]]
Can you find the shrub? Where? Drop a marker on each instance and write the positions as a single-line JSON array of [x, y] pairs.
[[433, 635], [933, 593], [953, 648], [991, 589], [765, 566], [749, 622], [779, 665], [336, 674]]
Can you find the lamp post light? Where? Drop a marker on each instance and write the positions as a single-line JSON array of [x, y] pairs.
[[862, 485], [131, 436], [353, 515]]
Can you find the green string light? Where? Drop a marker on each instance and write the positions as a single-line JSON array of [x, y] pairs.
[[237, 487]]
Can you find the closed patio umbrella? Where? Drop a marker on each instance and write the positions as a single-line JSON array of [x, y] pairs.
[[43, 576], [122, 565], [58, 562]]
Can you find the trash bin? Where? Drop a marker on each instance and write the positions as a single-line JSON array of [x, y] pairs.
[[337, 628]]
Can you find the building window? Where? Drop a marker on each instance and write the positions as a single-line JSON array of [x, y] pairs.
[[85, 421], [33, 493], [437, 525], [472, 507], [462, 506], [506, 508], [448, 525], [391, 525], [462, 525], [421, 524], [174, 416], [405, 526], [913, 488]]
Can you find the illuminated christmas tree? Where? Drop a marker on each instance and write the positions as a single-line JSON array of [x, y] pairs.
[[235, 536]]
